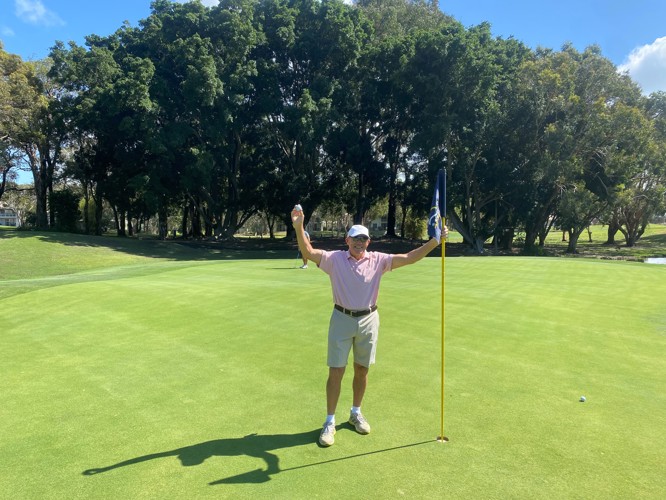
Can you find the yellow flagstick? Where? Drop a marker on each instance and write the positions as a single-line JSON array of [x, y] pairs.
[[436, 224], [442, 438]]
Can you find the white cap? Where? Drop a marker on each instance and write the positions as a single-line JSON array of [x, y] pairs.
[[358, 230]]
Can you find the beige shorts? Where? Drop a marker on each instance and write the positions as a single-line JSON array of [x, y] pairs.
[[345, 332]]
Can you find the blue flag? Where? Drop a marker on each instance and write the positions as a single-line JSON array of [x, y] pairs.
[[437, 207]]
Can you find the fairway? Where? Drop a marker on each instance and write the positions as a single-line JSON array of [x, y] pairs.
[[205, 379]]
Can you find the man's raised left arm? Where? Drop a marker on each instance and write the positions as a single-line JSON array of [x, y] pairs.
[[404, 259]]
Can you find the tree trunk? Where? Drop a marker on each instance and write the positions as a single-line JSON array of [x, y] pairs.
[[613, 228], [163, 220], [99, 210], [477, 247], [122, 224], [49, 190], [270, 221], [86, 205], [360, 200], [574, 234], [184, 221], [475, 242], [121, 220], [530, 247], [41, 189], [196, 221], [506, 238], [231, 216], [392, 205]]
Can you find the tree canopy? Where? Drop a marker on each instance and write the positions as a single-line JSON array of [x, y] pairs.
[[222, 113]]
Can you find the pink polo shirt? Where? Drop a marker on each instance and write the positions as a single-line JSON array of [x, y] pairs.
[[355, 283]]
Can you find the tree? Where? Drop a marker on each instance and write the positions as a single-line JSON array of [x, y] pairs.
[[65, 205], [8, 65], [388, 89], [30, 130], [306, 68], [203, 97], [462, 91], [398, 19], [567, 118], [218, 114], [644, 193], [431, 82], [576, 208], [108, 114], [8, 161]]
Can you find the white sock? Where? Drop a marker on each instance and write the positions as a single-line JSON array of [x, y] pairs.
[[330, 419], [356, 409]]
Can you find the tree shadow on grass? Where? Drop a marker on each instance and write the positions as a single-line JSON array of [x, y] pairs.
[[178, 249], [252, 445]]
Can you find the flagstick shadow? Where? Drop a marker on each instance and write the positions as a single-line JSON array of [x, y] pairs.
[[260, 475], [252, 445]]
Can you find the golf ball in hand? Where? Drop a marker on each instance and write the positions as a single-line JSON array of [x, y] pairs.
[[298, 207]]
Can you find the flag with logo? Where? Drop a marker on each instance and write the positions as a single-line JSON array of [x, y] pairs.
[[437, 207]]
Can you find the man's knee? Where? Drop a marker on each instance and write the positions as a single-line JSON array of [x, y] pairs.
[[360, 369], [336, 373]]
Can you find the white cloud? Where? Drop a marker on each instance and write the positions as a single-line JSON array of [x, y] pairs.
[[34, 12], [647, 66], [6, 31]]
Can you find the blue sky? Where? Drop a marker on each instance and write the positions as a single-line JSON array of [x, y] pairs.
[[632, 34]]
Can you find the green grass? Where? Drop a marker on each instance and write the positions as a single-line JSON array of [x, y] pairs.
[[187, 375], [651, 244]]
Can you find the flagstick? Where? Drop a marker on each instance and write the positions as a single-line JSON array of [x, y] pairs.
[[442, 438]]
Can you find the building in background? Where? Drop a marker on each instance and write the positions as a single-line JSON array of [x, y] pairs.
[[8, 217]]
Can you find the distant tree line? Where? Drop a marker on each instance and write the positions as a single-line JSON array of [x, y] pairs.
[[227, 112]]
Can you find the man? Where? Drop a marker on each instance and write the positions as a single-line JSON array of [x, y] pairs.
[[355, 275]]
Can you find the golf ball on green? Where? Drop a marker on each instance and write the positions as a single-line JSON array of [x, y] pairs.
[[582, 399]]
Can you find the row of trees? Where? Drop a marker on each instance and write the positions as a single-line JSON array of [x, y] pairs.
[[251, 106]]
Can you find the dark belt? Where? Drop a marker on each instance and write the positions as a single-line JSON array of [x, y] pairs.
[[356, 314]]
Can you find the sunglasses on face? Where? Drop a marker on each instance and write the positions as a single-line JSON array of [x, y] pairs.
[[360, 239]]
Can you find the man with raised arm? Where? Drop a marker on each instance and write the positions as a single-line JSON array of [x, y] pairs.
[[355, 274]]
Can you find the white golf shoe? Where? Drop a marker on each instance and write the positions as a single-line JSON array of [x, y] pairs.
[[326, 437], [359, 422]]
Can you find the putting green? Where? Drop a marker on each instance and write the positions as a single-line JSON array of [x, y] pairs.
[[184, 379]]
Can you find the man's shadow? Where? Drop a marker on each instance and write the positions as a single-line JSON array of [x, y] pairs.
[[252, 445]]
